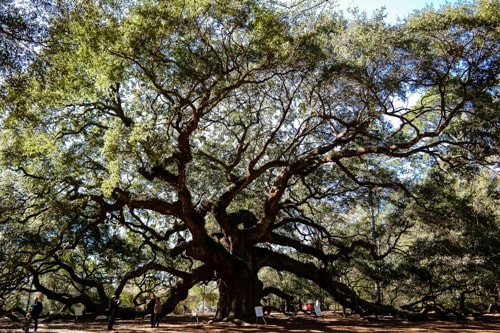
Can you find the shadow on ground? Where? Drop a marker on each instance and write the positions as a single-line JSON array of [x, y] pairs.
[[276, 323]]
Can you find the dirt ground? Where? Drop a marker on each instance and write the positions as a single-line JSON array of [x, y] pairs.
[[275, 323]]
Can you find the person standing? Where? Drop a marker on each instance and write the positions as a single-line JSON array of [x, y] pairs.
[[36, 310], [27, 323], [113, 310], [157, 312], [151, 309]]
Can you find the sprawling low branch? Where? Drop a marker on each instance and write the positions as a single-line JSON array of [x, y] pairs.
[[339, 291]]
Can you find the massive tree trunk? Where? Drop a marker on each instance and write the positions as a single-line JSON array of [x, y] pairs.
[[239, 292], [232, 260], [239, 288]]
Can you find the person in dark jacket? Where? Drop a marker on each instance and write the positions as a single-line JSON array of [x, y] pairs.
[[151, 310], [36, 309], [113, 310]]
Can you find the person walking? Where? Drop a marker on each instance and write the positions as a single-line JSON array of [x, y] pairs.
[[113, 310], [36, 310]]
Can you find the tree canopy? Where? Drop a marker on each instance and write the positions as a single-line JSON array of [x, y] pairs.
[[152, 146]]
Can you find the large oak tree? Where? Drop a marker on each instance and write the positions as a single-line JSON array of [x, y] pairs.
[[205, 140]]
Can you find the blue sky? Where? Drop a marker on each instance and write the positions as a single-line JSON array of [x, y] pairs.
[[394, 8]]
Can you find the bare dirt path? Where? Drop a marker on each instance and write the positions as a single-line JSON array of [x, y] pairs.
[[276, 323]]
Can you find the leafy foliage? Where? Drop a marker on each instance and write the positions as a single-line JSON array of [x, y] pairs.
[[150, 147]]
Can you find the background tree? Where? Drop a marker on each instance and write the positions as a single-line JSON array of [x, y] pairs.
[[191, 141], [453, 259]]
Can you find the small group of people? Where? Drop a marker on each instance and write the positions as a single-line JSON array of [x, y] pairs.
[[154, 309], [33, 315]]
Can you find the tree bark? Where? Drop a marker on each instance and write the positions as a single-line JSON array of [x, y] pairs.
[[239, 292]]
